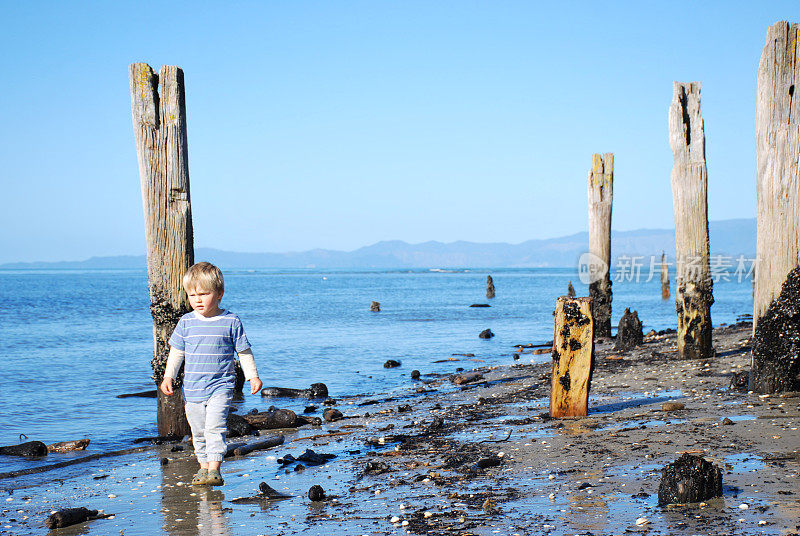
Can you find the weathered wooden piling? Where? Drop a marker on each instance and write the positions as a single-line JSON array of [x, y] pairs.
[[570, 290], [693, 285], [489, 287], [601, 184], [776, 303], [159, 123], [573, 358], [664, 277]]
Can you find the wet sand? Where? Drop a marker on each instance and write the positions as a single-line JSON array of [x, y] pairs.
[[413, 469]]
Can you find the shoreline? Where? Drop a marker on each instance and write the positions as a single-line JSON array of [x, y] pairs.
[[414, 458]]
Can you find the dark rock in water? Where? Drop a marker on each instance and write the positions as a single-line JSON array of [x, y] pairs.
[[71, 516], [489, 287], [727, 422], [238, 426], [266, 493], [776, 341], [405, 408], [689, 479], [391, 363], [436, 423], [164, 461], [332, 415], [667, 331], [176, 448], [273, 418], [480, 305], [317, 390], [28, 449], [310, 409], [315, 458], [375, 468], [299, 467], [740, 381], [570, 290], [415, 374], [375, 307], [486, 334], [316, 493], [629, 332], [287, 459], [491, 461], [329, 402]]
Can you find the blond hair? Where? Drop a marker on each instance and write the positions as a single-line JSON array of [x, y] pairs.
[[204, 275]]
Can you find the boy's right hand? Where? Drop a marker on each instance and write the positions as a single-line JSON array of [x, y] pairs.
[[166, 386]]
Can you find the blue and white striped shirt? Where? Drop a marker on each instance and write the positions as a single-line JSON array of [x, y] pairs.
[[210, 345]]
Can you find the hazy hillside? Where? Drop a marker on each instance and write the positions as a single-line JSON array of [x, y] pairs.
[[728, 237]]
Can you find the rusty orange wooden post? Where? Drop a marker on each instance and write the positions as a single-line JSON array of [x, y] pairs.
[[573, 357]]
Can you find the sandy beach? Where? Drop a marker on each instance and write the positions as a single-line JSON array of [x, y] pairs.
[[481, 458]]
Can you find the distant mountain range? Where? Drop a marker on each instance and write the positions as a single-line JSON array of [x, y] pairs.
[[728, 237]]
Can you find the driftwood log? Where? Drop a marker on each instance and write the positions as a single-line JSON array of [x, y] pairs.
[[72, 516], [776, 322], [601, 186], [573, 358], [68, 446], [243, 448], [317, 390], [159, 125], [153, 393], [29, 449], [693, 285]]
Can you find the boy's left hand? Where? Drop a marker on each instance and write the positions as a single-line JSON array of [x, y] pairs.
[[255, 385]]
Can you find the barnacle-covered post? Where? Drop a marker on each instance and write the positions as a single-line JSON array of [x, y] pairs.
[[664, 277], [159, 123], [693, 286], [573, 358], [601, 185], [776, 304]]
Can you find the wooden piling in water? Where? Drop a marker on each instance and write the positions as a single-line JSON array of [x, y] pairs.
[[489, 287], [693, 285], [664, 277], [776, 361], [159, 124], [573, 358], [601, 184]]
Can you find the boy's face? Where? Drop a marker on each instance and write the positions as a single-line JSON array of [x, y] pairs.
[[204, 301]]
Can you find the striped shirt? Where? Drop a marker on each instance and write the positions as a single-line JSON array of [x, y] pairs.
[[210, 345]]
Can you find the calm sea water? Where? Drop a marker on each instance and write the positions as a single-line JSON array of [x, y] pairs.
[[73, 340]]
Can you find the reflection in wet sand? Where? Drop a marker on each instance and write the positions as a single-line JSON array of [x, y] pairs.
[[190, 510]]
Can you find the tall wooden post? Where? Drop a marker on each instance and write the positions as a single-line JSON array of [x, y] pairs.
[[573, 358], [664, 277], [601, 185], [776, 304], [159, 123], [693, 285], [489, 287]]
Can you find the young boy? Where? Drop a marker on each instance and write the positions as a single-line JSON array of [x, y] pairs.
[[208, 339]]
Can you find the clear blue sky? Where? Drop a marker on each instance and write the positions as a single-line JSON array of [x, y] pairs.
[[339, 124]]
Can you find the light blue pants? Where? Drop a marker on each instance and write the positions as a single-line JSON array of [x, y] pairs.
[[208, 422]]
